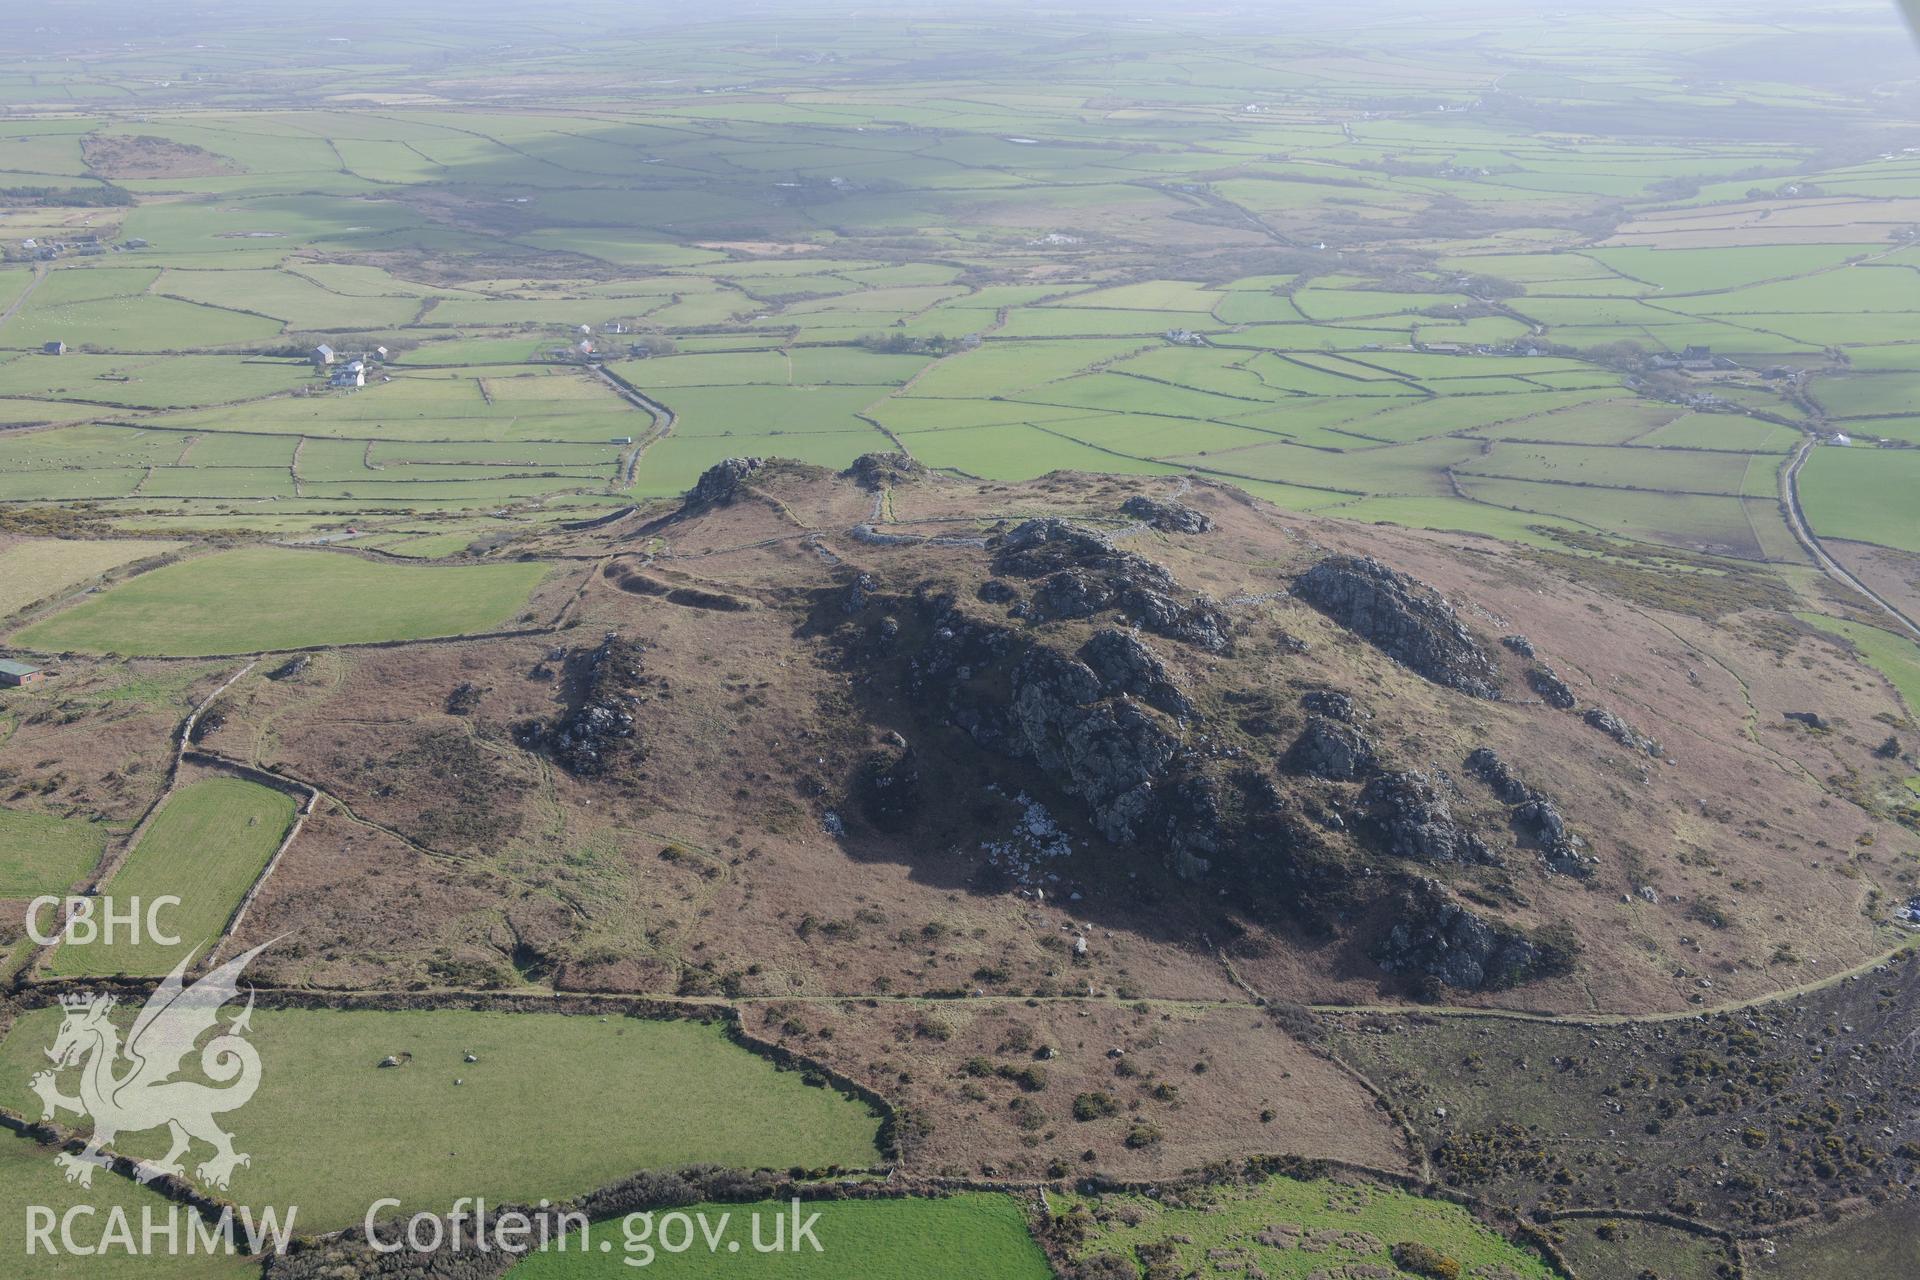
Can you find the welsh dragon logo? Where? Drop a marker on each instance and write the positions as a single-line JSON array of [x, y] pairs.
[[130, 1087]]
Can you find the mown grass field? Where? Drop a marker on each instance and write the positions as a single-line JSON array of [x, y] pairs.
[[262, 599], [555, 1106], [28, 1176], [961, 1237], [1866, 495], [34, 569], [1294, 1229], [40, 853], [207, 844]]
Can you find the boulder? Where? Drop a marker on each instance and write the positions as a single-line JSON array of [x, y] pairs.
[[888, 789], [1519, 644], [1404, 619]]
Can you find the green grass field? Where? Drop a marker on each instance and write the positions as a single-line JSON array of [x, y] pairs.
[[961, 1237], [1863, 494], [1296, 1229], [263, 599], [555, 1106], [207, 844], [40, 853], [28, 1176]]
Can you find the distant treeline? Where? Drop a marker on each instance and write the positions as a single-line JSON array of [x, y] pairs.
[[104, 196]]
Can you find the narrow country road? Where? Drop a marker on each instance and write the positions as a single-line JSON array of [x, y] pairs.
[[663, 420], [39, 274], [1790, 496]]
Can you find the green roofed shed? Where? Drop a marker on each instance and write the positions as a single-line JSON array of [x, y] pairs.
[[19, 673]]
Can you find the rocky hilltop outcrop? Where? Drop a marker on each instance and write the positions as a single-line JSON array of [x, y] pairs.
[[875, 471], [1082, 572], [1107, 719], [720, 483], [1167, 517], [1407, 621]]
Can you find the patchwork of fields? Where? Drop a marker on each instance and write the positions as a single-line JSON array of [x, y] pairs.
[[349, 376], [1338, 311]]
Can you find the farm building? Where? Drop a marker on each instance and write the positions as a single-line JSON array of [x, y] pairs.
[[321, 356], [15, 674], [55, 348], [349, 375]]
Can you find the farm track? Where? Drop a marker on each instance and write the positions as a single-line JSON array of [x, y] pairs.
[[39, 274]]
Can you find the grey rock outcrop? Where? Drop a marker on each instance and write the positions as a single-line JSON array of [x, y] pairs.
[[1333, 704], [1332, 749], [859, 591], [1620, 731], [600, 729], [1168, 517], [1107, 752], [1485, 764], [883, 470], [1404, 619], [1125, 664], [1553, 691], [1536, 819], [720, 483], [1519, 644], [1085, 573], [1413, 816], [1070, 593], [1440, 940]]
